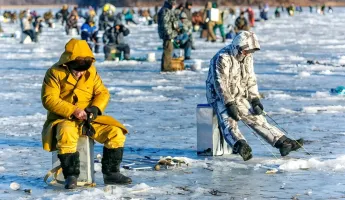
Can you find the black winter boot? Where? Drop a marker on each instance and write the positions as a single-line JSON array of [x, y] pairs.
[[111, 167], [286, 145], [243, 149], [70, 165]]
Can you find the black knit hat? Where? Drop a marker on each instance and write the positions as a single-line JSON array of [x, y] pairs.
[[117, 22]]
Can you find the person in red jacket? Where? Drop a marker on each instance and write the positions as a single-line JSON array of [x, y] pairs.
[[251, 16]]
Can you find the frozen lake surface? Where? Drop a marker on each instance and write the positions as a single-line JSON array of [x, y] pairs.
[[159, 110]]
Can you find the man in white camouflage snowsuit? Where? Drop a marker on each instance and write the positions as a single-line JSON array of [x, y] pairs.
[[232, 90], [167, 30]]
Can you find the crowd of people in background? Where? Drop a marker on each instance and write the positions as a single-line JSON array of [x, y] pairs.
[[113, 24], [31, 24]]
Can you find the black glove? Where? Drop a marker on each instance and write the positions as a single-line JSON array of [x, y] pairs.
[[258, 108], [232, 110], [87, 128], [92, 112]]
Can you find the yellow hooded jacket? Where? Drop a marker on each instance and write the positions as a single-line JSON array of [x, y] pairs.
[[61, 93]]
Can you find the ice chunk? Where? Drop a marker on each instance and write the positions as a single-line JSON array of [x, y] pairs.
[[15, 186], [303, 74]]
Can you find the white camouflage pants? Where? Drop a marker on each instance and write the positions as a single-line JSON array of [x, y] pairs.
[[258, 123]]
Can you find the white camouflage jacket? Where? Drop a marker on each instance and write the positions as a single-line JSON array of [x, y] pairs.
[[231, 75]]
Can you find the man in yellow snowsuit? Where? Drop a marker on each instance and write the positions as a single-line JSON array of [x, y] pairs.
[[75, 98]]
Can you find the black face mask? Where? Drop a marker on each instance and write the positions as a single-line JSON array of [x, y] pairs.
[[80, 64], [250, 51]]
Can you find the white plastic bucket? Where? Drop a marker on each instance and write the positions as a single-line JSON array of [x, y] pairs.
[[151, 57], [196, 65]]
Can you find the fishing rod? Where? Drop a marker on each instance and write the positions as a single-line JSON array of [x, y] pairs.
[[253, 132], [281, 128]]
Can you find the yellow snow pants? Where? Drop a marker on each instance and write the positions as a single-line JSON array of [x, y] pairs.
[[68, 132]]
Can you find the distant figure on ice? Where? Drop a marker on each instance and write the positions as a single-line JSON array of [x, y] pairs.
[[277, 12], [211, 15], [184, 39], [241, 23], [232, 90], [251, 16], [178, 10], [113, 39], [89, 33], [264, 11], [188, 11], [167, 30], [220, 23], [72, 23], [291, 10], [63, 14], [330, 9], [129, 16], [75, 98], [48, 18], [75, 12], [27, 26], [108, 17], [37, 24], [90, 13], [323, 8]]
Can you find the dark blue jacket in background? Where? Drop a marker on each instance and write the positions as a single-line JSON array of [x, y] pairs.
[[88, 32]]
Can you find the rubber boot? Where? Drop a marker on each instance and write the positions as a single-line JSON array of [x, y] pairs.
[[70, 165], [241, 147], [296, 144], [286, 145], [111, 161], [71, 182]]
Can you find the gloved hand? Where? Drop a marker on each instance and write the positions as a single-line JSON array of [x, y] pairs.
[[232, 110], [92, 112], [87, 128], [258, 108]]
